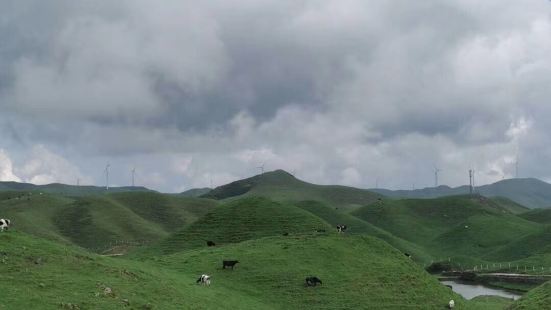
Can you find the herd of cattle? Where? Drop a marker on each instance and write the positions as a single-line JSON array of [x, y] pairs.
[[204, 279]]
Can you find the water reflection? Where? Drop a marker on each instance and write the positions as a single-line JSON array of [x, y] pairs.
[[471, 290]]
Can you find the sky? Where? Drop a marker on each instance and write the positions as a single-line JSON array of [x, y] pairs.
[[201, 93]]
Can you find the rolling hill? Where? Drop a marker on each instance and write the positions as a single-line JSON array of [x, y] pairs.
[[98, 222], [529, 192], [281, 186], [243, 219], [457, 225]]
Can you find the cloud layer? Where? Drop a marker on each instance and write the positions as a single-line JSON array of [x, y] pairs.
[[351, 92]]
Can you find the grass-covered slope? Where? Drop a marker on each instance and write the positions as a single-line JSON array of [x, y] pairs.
[[243, 219], [357, 226], [542, 216], [97, 222], [39, 274], [456, 225], [281, 186], [358, 272], [538, 298]]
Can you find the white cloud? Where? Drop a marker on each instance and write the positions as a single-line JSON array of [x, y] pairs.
[[6, 168]]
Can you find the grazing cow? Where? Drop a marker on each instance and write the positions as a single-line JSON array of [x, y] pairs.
[[204, 279], [4, 224], [312, 281], [229, 263], [286, 234], [407, 255], [210, 243], [451, 304], [341, 228]]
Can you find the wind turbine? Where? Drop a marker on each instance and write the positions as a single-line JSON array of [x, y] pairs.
[[107, 176], [261, 167], [516, 168], [133, 174], [436, 171]]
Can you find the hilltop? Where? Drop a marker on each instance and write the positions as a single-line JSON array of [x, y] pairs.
[[282, 186], [529, 192]]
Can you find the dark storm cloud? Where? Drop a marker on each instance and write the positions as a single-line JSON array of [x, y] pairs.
[[340, 91]]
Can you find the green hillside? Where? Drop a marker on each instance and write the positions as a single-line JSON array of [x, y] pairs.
[[40, 274], [357, 273], [99, 222], [456, 225], [281, 186], [538, 298], [542, 216], [244, 219], [357, 226]]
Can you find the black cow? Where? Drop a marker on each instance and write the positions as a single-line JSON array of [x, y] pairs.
[[312, 281], [286, 234], [408, 255], [229, 263], [210, 243]]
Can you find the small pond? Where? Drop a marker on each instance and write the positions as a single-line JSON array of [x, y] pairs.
[[471, 290]]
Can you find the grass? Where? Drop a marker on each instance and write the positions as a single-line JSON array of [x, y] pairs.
[[283, 187], [96, 222], [450, 226], [357, 272], [243, 219], [538, 298]]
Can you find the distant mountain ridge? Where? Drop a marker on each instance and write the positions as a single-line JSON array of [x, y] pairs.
[[529, 192], [74, 190]]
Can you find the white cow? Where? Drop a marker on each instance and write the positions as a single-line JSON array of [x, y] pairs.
[[4, 224], [204, 279], [451, 304]]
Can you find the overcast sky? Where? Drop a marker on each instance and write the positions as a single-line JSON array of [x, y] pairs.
[[336, 91]]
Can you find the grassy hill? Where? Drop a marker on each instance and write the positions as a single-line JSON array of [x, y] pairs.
[[538, 298], [196, 192], [98, 222], [39, 274], [281, 186], [542, 216], [357, 272], [529, 192], [243, 219], [456, 225]]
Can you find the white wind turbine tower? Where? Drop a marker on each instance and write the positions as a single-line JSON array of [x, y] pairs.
[[107, 176], [436, 171], [261, 167], [133, 175]]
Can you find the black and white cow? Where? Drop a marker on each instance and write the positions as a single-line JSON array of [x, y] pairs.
[[341, 228], [204, 279], [312, 281], [4, 224]]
